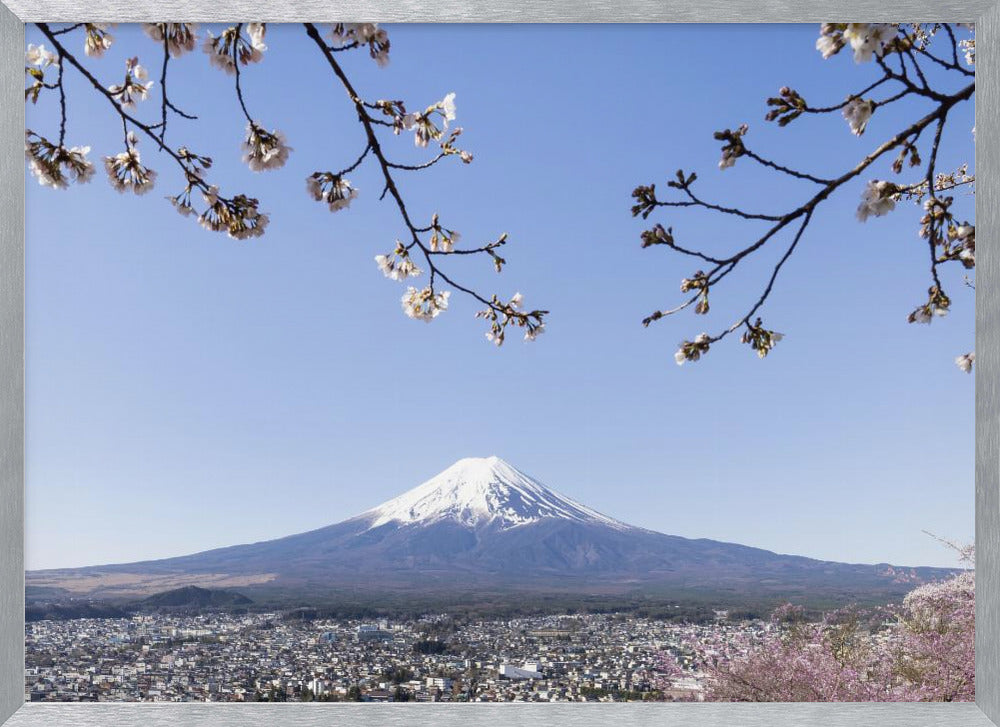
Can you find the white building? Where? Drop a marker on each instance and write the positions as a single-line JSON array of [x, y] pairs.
[[509, 671], [442, 683]]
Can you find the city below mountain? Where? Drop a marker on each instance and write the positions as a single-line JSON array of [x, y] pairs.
[[485, 532]]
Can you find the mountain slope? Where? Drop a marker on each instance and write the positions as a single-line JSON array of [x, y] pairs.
[[482, 525]]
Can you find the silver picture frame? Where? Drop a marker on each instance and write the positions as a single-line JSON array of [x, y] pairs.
[[14, 712]]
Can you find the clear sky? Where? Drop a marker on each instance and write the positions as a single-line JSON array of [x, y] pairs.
[[187, 391]]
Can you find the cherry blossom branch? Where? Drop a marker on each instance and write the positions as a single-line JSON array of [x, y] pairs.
[[126, 117], [931, 165], [165, 103], [55, 165], [427, 303], [947, 239], [238, 216], [837, 107]]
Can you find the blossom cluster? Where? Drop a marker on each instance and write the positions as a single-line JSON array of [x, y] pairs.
[[424, 124], [180, 38], [346, 35], [424, 304], [239, 217], [953, 240], [442, 239], [733, 148], [787, 106], [512, 313], [448, 147], [699, 282], [965, 361], [264, 149], [645, 202], [866, 39], [230, 47], [36, 59], [658, 235], [937, 306], [54, 165], [398, 265], [40, 57], [134, 87], [857, 113], [760, 339], [877, 199], [334, 189], [968, 47], [126, 171], [97, 39], [693, 350]]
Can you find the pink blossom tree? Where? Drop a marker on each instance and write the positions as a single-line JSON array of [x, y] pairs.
[[920, 650]]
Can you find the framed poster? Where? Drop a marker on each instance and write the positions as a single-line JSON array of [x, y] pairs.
[[252, 477]]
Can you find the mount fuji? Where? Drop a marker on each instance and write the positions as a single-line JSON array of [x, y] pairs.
[[483, 526]]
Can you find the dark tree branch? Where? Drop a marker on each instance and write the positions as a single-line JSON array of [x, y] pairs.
[[784, 170], [62, 104], [163, 89], [70, 29], [236, 66], [842, 104]]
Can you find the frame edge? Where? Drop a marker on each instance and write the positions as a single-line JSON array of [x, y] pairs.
[[11, 371], [988, 378], [13, 15]]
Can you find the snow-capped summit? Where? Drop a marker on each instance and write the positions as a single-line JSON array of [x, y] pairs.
[[477, 491]]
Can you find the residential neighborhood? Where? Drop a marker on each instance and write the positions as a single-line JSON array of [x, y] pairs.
[[265, 657]]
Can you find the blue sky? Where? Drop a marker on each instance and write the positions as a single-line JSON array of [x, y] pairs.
[[187, 391]]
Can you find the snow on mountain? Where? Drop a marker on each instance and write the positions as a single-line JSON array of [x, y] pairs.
[[478, 491]]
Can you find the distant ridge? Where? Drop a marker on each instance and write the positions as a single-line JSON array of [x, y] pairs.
[[186, 599], [195, 597]]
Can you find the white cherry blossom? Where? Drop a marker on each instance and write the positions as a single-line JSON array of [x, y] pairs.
[[876, 200], [181, 37], [867, 39], [424, 305], [257, 31], [857, 112], [965, 361], [56, 166], [263, 150], [397, 266], [40, 56], [126, 172], [97, 40]]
